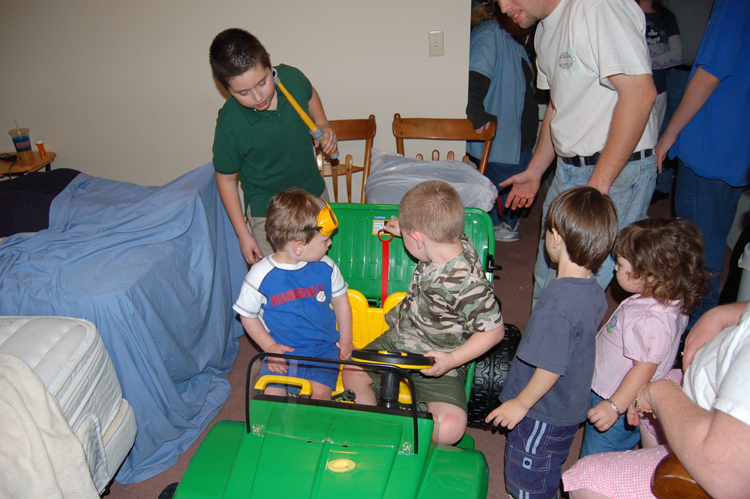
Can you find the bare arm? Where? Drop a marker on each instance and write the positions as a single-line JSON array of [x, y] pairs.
[[514, 410], [636, 95], [713, 446], [475, 346], [343, 311], [526, 184], [318, 115], [602, 415], [256, 331], [709, 326], [697, 92], [230, 197]]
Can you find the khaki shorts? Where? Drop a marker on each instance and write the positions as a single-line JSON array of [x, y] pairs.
[[451, 390]]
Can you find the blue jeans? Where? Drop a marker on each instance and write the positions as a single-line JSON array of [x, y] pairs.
[[620, 437], [676, 82], [534, 454], [631, 192], [711, 205], [500, 172]]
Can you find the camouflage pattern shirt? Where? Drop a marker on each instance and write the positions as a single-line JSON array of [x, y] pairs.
[[444, 305]]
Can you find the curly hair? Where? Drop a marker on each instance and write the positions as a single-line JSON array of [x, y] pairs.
[[668, 254]]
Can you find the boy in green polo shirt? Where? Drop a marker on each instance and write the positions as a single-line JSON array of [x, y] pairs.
[[260, 136]]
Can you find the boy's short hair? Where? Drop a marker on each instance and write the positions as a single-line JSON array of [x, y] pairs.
[[233, 52], [289, 213], [435, 209], [668, 254], [587, 221]]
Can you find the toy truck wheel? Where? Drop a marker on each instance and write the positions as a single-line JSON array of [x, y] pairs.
[[489, 377]]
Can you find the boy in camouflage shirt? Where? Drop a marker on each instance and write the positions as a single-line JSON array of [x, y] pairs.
[[448, 300]]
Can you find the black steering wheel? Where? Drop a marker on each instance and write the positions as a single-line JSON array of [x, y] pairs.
[[404, 360], [389, 379]]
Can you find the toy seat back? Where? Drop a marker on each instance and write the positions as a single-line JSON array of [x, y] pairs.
[[358, 251]]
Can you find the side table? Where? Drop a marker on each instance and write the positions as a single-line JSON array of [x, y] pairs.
[[23, 167]]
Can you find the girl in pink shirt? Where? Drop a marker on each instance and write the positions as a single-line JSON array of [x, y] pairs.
[[661, 262]]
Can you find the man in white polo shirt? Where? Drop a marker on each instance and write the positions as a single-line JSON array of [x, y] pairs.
[[592, 56]]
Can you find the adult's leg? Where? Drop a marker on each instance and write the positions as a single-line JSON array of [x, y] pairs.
[[566, 177], [710, 204], [631, 192], [676, 82]]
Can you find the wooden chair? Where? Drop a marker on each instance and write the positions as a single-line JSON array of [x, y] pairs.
[[349, 130], [672, 481], [442, 129]]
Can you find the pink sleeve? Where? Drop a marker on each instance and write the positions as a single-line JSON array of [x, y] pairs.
[[647, 338]]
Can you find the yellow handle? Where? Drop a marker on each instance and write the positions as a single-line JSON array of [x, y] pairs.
[[310, 123], [305, 387], [317, 132]]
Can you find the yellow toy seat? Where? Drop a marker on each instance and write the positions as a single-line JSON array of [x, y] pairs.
[[368, 323]]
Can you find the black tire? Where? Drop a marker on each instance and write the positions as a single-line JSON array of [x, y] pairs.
[[169, 491], [489, 377]]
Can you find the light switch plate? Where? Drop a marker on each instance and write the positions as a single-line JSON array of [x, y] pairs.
[[436, 43]]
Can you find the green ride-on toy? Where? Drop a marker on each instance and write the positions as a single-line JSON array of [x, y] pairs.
[[296, 447]]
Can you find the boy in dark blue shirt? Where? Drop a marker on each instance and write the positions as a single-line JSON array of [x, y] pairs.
[[546, 395]]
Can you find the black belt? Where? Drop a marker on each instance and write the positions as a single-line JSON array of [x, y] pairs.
[[591, 160]]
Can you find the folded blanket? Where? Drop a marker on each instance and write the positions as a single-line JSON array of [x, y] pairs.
[[39, 456]]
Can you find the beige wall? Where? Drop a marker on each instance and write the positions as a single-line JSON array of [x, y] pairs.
[[123, 89]]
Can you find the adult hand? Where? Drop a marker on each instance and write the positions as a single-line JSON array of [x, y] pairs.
[[508, 415], [662, 148], [484, 128], [602, 416], [250, 250], [444, 362], [525, 187]]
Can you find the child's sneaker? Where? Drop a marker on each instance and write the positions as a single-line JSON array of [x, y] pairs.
[[505, 234]]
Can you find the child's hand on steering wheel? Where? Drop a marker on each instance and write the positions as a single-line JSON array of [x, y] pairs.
[[444, 362]]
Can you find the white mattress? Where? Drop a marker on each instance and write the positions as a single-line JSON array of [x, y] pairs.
[[69, 356]]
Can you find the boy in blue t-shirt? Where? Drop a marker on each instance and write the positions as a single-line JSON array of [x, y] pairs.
[[260, 136], [291, 301], [546, 395]]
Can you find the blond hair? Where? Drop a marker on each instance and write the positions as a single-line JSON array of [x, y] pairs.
[[435, 209], [289, 213]]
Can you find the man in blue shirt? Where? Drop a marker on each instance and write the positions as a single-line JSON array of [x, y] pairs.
[[709, 133]]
